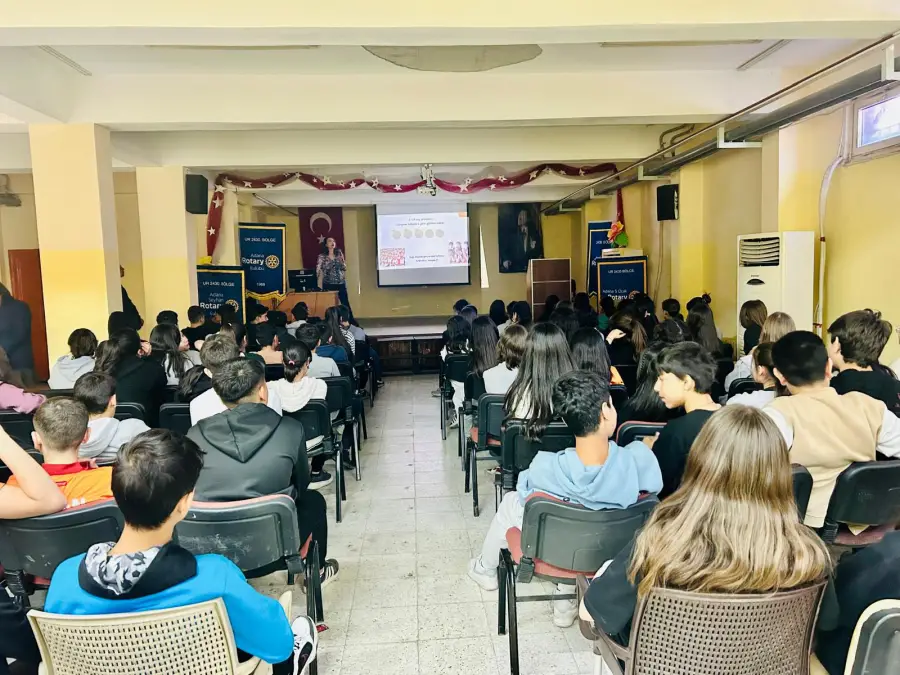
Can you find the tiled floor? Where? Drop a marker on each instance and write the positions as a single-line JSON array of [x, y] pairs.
[[403, 604]]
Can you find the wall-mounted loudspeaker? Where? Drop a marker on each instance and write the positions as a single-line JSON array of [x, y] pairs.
[[196, 194], [667, 205]]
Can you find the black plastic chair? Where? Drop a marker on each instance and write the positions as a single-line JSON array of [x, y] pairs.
[[629, 432], [473, 389], [873, 648], [175, 417], [866, 493], [258, 535], [518, 450], [619, 394], [170, 394], [359, 408], [743, 385], [274, 371], [557, 541], [803, 484], [37, 546], [18, 425], [339, 398], [456, 368], [130, 411], [316, 421], [6, 472], [489, 425], [723, 369], [365, 368], [628, 373], [56, 393]]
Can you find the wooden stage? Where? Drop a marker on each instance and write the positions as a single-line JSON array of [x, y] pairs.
[[407, 344]]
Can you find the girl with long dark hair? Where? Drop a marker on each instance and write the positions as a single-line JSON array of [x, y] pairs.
[[497, 312], [484, 345], [702, 325], [338, 338], [566, 320], [626, 339], [138, 380], [547, 357], [590, 354], [549, 306], [169, 347], [459, 341]]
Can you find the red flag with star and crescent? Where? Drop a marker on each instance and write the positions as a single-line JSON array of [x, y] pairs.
[[316, 224]]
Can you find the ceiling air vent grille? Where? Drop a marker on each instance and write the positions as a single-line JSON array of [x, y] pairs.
[[761, 252]]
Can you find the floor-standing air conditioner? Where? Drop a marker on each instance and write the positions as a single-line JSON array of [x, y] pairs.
[[779, 269]]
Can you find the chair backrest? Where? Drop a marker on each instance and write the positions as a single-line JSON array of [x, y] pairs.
[[873, 648], [576, 538], [192, 638], [474, 386], [491, 415], [709, 634], [744, 385], [628, 373], [635, 431], [519, 450], [6, 472], [361, 351], [803, 484], [56, 393], [274, 371], [315, 419], [339, 396], [130, 411], [619, 394], [866, 493], [457, 366], [345, 369], [175, 417], [17, 425], [723, 368], [38, 545], [251, 533]]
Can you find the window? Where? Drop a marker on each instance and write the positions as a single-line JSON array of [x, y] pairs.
[[877, 123]]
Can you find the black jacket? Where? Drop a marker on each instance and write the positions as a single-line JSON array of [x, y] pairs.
[[141, 381], [15, 332], [251, 451], [134, 316], [875, 383]]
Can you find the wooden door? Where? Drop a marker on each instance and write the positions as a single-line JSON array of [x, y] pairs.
[[25, 277]]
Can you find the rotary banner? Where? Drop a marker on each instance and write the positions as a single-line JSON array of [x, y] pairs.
[[620, 277], [219, 285], [262, 258]]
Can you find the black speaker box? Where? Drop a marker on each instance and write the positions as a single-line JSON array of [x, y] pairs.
[[196, 194], [667, 202]]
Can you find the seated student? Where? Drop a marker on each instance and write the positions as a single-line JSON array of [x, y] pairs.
[[590, 354], [497, 312], [252, 451], [857, 340], [459, 341], [138, 379], [79, 360], [145, 570], [566, 320], [484, 345], [645, 405], [752, 317], [521, 314], [167, 316], [626, 339], [776, 326], [225, 314], [341, 314], [764, 374], [645, 311], [671, 332], [596, 473], [549, 307], [269, 345], [257, 314], [217, 351], [607, 309], [319, 366], [60, 427], [686, 375], [672, 310], [328, 346], [702, 325], [510, 349], [171, 349], [730, 528], [278, 321], [12, 390], [300, 312], [825, 431], [200, 327], [97, 393], [587, 317]]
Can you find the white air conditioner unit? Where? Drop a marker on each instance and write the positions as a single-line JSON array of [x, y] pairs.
[[779, 269]]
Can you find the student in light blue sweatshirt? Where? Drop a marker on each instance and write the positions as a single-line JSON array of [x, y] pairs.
[[596, 473], [153, 484]]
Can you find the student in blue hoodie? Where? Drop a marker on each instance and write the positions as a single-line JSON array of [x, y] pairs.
[[596, 473], [153, 484]]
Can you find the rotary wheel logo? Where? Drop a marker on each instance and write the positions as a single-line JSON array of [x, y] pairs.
[[232, 303], [272, 262]]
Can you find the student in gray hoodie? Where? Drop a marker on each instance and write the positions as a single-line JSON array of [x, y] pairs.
[[79, 360], [97, 392], [596, 473]]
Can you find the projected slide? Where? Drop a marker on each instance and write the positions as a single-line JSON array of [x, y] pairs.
[[423, 248]]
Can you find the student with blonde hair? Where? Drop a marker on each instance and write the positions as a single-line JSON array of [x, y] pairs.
[[777, 325], [737, 481]]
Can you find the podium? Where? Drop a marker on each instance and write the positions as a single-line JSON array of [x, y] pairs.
[[546, 277], [317, 302]]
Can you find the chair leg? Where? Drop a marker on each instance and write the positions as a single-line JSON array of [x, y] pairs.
[[443, 417], [467, 460], [476, 510], [501, 599], [17, 582], [364, 427], [356, 443], [339, 494], [506, 561]]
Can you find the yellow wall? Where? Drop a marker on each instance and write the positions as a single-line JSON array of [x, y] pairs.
[[18, 225], [129, 231]]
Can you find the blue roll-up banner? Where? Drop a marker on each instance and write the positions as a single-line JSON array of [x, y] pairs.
[[618, 277], [219, 285], [262, 249], [598, 233]]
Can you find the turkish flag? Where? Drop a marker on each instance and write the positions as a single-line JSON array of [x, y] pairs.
[[316, 225]]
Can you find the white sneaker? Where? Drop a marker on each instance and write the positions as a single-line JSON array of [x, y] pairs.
[[485, 578], [564, 613], [306, 639], [454, 422]]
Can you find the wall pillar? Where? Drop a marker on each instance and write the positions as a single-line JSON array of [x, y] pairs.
[[168, 242], [689, 241], [76, 224]]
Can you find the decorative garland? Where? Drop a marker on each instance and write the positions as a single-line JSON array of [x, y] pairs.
[[427, 185]]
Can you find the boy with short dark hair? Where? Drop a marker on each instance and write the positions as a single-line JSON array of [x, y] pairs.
[[201, 327], [300, 312], [596, 473], [319, 366], [97, 393], [671, 309], [687, 372], [857, 340], [145, 570], [825, 431], [225, 314], [60, 427], [167, 316]]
